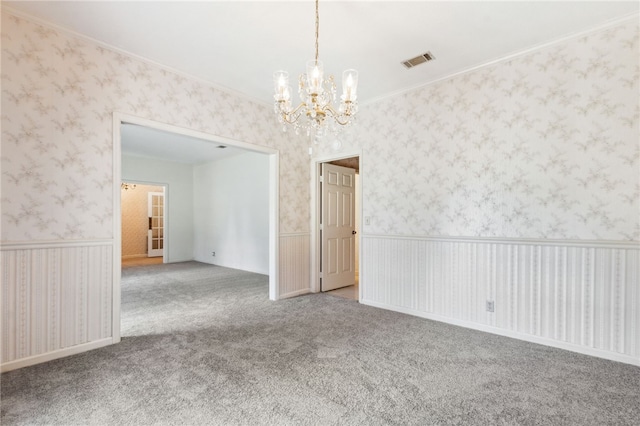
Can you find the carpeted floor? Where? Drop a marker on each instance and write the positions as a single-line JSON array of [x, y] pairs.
[[204, 345]]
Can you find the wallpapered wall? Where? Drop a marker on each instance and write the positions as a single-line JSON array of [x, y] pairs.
[[135, 221], [59, 93], [543, 146]]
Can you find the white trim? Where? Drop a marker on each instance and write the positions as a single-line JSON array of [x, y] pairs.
[[209, 137], [145, 182], [117, 229], [60, 353], [72, 33], [295, 293], [294, 234], [30, 245], [633, 245], [335, 157], [274, 226], [512, 334], [314, 264], [506, 58], [314, 253]]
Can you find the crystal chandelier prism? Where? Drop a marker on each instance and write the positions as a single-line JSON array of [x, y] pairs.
[[316, 113]]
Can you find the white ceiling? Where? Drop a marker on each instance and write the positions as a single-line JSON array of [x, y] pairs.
[[140, 141], [238, 45]]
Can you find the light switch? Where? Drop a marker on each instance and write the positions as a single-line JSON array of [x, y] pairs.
[[367, 220]]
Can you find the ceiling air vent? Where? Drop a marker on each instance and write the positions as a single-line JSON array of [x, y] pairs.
[[425, 57]]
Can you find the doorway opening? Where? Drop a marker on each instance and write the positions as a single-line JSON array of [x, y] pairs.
[[175, 243], [143, 220], [336, 225]]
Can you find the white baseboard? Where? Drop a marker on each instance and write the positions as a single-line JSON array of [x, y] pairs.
[[295, 293], [508, 333], [49, 356]]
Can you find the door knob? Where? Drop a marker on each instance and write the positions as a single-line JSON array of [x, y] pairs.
[[353, 232]]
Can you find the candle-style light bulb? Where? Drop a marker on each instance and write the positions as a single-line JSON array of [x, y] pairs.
[[349, 85], [315, 70], [281, 82]]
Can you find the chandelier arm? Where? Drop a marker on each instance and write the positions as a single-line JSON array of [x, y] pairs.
[[288, 120], [298, 108], [293, 116], [337, 116]]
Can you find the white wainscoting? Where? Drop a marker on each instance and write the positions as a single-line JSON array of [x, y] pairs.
[[580, 296], [294, 269], [56, 300]]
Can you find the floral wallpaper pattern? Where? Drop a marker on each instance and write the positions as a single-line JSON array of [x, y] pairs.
[[59, 93], [546, 145], [543, 146]]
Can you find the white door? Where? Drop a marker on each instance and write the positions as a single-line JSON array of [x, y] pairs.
[[337, 228], [155, 234]]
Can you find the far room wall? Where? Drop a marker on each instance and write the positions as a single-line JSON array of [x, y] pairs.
[[220, 206], [231, 212]]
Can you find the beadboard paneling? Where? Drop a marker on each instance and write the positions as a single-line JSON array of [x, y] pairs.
[[55, 296], [579, 296], [294, 273]]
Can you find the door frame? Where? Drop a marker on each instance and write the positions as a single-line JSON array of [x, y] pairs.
[[315, 251], [274, 201]]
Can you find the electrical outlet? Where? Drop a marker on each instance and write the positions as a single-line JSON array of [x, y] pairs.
[[491, 306], [213, 253]]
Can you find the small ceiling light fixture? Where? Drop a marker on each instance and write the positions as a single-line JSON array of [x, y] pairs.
[[127, 186], [318, 95]]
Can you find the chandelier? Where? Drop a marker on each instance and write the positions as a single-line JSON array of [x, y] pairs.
[[316, 112], [126, 186]]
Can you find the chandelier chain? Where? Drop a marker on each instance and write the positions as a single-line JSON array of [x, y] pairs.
[[317, 29]]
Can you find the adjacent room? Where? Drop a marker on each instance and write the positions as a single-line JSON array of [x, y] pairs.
[[142, 212], [213, 192], [361, 212]]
